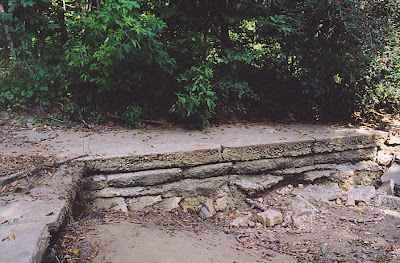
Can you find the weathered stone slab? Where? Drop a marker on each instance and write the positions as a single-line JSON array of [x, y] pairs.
[[115, 192], [95, 182], [144, 178], [391, 202], [360, 193], [350, 156], [270, 217], [263, 165], [346, 143], [170, 204], [257, 166], [139, 203], [117, 203], [185, 188], [301, 170], [205, 171], [318, 193], [266, 151], [252, 185], [314, 175], [155, 161]]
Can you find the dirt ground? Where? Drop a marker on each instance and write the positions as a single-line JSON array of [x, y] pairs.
[[336, 233]]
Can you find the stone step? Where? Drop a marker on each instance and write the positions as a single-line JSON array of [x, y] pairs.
[[276, 165], [228, 153], [249, 183]]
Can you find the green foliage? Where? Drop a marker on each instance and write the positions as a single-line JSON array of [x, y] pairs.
[[112, 50], [234, 97], [131, 115], [197, 103], [205, 58]]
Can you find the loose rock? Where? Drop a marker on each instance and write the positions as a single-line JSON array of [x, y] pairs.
[[170, 204], [243, 220], [360, 193], [270, 217], [140, 203], [117, 203]]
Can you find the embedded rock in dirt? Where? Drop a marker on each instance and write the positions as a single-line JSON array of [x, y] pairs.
[[243, 220], [390, 202], [190, 204], [221, 204], [270, 217], [384, 157], [360, 193], [252, 185], [170, 204], [117, 203], [142, 202]]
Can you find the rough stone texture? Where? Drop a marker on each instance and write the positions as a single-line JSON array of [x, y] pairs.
[[257, 166], [139, 203], [346, 143], [360, 193], [144, 178], [314, 175], [221, 204], [318, 193], [388, 187], [117, 203], [264, 165], [209, 203], [384, 157], [255, 184], [32, 223], [392, 173], [242, 220], [390, 202], [95, 182], [270, 217], [205, 171], [266, 151], [190, 204], [348, 156], [185, 188], [115, 192], [170, 204], [155, 161], [304, 169]]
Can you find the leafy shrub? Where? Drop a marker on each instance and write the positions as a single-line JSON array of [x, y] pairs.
[[131, 115], [197, 102]]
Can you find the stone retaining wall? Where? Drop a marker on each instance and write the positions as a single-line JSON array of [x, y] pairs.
[[250, 170]]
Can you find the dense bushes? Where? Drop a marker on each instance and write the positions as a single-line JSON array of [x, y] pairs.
[[196, 60]]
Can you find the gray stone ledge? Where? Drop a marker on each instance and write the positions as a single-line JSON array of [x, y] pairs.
[[266, 151], [346, 143], [154, 161], [144, 178], [263, 165], [188, 187], [205, 171]]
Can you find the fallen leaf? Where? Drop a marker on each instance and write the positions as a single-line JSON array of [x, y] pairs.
[[75, 251], [11, 237], [15, 183], [95, 252], [50, 214], [30, 199]]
